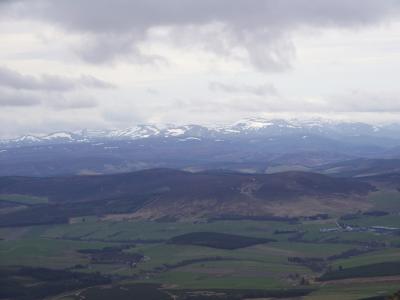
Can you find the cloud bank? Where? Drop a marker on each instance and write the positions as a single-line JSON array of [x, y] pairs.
[[68, 64], [262, 28]]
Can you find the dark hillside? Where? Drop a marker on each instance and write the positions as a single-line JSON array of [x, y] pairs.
[[161, 193], [174, 183], [361, 167]]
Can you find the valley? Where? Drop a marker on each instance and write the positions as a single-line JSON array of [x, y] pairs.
[[289, 257], [199, 150], [170, 234], [256, 210]]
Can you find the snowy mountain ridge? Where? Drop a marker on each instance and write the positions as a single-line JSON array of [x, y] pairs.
[[244, 127]]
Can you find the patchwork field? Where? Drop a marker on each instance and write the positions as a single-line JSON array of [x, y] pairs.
[[177, 259]]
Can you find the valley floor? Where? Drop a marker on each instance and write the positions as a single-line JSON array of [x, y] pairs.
[[225, 259]]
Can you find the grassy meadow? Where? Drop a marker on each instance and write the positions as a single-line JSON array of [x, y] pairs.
[[296, 255]]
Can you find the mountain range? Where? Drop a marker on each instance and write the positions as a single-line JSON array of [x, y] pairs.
[[253, 145], [251, 127]]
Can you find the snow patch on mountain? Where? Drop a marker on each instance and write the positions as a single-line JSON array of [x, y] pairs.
[[252, 124], [175, 132], [251, 127], [190, 138], [27, 139], [58, 135], [136, 132]]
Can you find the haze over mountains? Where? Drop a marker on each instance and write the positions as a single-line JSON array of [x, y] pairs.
[[254, 167], [251, 127], [251, 145]]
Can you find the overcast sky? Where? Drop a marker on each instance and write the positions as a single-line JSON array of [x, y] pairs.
[[73, 64]]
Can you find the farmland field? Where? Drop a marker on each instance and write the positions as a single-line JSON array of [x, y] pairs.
[[23, 199], [194, 256]]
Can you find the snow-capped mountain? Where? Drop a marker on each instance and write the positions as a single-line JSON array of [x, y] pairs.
[[55, 137], [60, 136], [251, 127], [248, 145], [27, 139], [136, 132]]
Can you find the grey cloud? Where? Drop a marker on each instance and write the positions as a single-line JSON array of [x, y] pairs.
[[152, 91], [262, 28], [56, 92], [351, 102], [12, 98], [52, 100], [15, 80], [104, 48], [93, 82], [63, 103], [125, 15], [123, 115], [366, 102], [256, 90]]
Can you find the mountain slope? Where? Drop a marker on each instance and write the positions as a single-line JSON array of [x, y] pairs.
[[361, 167], [252, 145], [159, 193]]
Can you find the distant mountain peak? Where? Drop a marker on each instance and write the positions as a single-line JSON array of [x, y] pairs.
[[256, 126], [138, 131], [58, 135], [28, 139], [252, 123]]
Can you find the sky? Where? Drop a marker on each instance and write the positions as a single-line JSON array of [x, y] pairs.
[[74, 64]]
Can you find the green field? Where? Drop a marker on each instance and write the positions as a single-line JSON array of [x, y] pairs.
[[23, 199], [386, 200], [353, 291], [264, 266]]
